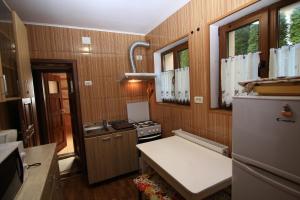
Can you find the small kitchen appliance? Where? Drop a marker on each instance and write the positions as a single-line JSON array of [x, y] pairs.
[[147, 130]]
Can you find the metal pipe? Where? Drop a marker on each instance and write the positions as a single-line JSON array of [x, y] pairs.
[[131, 52]]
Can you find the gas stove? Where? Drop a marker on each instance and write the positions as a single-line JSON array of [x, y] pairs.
[[147, 128]]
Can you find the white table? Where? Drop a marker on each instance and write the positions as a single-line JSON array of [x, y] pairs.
[[194, 171]]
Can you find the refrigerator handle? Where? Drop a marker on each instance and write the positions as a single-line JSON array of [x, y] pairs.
[[267, 179]]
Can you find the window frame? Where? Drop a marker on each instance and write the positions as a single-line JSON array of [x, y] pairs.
[[268, 18], [176, 60], [274, 21], [262, 17], [175, 50]]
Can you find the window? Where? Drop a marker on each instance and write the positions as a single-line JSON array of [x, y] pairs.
[[243, 40], [168, 62], [53, 87], [174, 76], [261, 44], [243, 45], [177, 57], [289, 24]]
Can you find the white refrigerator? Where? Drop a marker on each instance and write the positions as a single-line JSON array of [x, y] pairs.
[[266, 148]]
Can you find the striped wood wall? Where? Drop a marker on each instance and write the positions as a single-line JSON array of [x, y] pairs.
[[197, 118], [105, 65]]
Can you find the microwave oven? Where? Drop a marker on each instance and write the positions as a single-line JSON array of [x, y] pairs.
[[11, 169]]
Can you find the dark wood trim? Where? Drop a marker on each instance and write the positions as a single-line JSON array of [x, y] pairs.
[[261, 16], [274, 23], [175, 50], [69, 67]]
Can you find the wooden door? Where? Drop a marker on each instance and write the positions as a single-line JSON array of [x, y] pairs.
[[54, 105], [28, 131], [74, 114]]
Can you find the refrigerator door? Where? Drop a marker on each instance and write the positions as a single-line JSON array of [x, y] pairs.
[[263, 137], [249, 183]]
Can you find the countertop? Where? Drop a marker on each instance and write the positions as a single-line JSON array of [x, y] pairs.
[[196, 168], [33, 185], [103, 132]]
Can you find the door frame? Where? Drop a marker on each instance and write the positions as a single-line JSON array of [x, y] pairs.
[[64, 66]]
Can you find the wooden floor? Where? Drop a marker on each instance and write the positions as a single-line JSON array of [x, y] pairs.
[[117, 189]]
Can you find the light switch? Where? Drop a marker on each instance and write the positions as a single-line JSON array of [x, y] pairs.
[[88, 83], [198, 99], [86, 40], [139, 57]]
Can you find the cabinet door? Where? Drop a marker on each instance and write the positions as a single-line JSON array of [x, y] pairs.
[[91, 145], [132, 150], [8, 73], [100, 158], [126, 153], [105, 157], [122, 163], [23, 57]]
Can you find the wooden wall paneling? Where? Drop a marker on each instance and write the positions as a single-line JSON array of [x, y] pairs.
[[198, 118], [104, 65]]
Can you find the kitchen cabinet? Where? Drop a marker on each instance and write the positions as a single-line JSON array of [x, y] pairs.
[[8, 65], [23, 58], [111, 155], [15, 68]]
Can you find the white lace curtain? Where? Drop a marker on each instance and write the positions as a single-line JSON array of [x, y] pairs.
[[175, 86], [236, 69], [285, 61]]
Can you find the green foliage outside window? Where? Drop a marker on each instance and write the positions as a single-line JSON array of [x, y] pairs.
[[247, 39], [184, 58], [253, 38], [289, 30], [295, 26], [283, 31]]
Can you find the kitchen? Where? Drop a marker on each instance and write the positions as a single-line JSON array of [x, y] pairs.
[[170, 76]]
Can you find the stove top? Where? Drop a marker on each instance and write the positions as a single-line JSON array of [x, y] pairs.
[[146, 128], [145, 124]]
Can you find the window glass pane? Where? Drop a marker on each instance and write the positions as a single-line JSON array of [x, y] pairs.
[[289, 24], [184, 58], [53, 87], [243, 40], [168, 62]]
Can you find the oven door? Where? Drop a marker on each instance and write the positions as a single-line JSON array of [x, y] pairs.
[[149, 138]]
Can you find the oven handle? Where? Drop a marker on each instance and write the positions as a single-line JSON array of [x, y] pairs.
[[149, 138]]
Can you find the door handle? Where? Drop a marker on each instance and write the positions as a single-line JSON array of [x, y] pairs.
[[71, 87], [5, 85]]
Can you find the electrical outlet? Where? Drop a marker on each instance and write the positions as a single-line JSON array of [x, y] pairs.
[[88, 83], [86, 40], [139, 57], [198, 99]]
